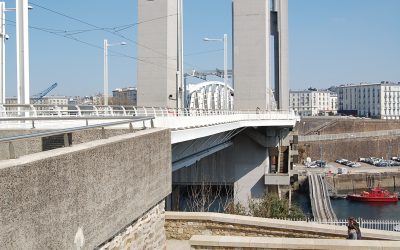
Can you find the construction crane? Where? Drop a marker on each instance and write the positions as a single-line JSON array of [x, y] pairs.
[[40, 95]]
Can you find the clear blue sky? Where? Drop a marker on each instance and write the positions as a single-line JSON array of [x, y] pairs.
[[330, 42]]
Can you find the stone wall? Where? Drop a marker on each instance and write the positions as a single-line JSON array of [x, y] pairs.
[[232, 232], [184, 230], [92, 190], [184, 225], [146, 233], [351, 148], [344, 125]]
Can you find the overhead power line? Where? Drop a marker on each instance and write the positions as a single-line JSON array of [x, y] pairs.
[[100, 28], [88, 44]]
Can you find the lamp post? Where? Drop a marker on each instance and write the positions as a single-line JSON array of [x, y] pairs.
[[225, 41], [23, 88], [106, 45], [2, 53]]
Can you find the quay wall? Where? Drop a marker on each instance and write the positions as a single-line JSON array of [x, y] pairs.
[[346, 182], [351, 148], [336, 125], [87, 194], [331, 138]]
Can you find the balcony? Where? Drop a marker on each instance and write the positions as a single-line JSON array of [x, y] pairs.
[[277, 179]]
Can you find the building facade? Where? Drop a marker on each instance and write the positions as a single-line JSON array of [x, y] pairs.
[[313, 102], [46, 100], [125, 96], [376, 100]]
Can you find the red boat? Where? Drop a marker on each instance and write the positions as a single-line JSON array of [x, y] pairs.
[[376, 194]]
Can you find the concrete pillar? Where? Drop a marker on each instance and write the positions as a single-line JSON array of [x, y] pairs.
[[22, 52], [251, 67], [251, 163], [157, 53]]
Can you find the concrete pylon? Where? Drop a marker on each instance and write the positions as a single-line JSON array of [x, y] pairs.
[[157, 69], [254, 21], [251, 67]]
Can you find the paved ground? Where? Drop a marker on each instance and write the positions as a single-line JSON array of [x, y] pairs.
[[178, 245], [333, 166]]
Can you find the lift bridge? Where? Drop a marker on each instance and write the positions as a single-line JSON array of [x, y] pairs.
[[210, 95]]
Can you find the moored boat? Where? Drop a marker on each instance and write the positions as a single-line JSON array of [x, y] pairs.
[[376, 194]]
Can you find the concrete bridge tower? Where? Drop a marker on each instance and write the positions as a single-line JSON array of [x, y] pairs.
[[254, 21], [159, 81]]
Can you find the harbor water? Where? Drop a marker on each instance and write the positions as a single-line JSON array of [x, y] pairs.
[[345, 208]]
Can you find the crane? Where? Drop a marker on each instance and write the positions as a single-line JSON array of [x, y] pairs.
[[40, 95]]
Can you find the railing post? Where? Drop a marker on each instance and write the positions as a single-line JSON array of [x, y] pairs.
[[66, 141], [79, 110], [124, 111], [103, 133], [11, 150], [130, 127]]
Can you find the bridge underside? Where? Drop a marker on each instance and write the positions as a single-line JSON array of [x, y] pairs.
[[243, 163]]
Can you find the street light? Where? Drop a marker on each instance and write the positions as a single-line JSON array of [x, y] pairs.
[[3, 38], [225, 40], [106, 45]]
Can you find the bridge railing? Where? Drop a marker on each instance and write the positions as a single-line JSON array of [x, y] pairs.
[[11, 115], [16, 110]]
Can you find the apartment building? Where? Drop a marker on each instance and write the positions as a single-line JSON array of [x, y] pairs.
[[312, 102], [376, 100]]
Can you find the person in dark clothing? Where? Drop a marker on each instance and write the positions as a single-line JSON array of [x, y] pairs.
[[353, 229]]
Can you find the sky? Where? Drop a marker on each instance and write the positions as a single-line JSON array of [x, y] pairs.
[[331, 42]]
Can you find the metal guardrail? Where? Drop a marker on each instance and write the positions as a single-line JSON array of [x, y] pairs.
[[16, 110], [11, 115], [375, 224], [66, 131]]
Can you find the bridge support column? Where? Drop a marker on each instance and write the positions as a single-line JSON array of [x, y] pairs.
[[251, 162], [157, 74]]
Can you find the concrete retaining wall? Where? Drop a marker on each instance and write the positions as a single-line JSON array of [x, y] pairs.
[[23, 147], [101, 187], [34, 145]]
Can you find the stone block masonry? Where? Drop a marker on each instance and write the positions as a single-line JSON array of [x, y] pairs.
[[185, 225], [145, 233]]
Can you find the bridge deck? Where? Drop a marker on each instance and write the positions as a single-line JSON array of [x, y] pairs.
[[320, 200]]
